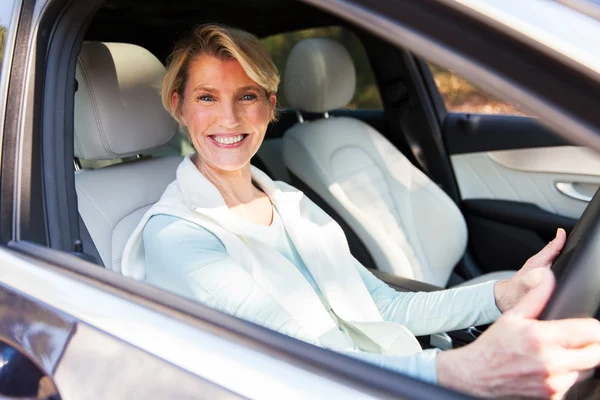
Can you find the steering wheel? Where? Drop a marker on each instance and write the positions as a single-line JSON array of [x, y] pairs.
[[577, 269]]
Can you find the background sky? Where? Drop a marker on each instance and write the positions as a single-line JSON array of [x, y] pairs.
[[5, 11]]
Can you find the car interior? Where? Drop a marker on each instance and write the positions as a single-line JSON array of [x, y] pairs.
[[435, 183], [406, 181]]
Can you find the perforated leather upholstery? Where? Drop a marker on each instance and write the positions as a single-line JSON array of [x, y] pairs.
[[409, 225], [118, 112]]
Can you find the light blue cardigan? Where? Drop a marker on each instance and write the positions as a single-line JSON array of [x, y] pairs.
[[187, 259], [190, 243]]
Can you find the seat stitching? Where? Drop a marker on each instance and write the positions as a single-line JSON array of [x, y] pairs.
[[497, 169], [542, 195], [132, 211], [95, 109], [81, 151], [479, 178], [323, 69], [82, 191]]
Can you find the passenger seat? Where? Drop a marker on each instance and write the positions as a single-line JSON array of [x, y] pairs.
[[410, 227], [118, 114]]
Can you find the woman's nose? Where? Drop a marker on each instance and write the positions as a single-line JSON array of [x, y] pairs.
[[229, 116]]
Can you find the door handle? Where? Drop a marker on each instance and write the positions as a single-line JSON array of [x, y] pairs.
[[569, 190]]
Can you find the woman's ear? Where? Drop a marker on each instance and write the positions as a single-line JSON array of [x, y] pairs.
[[273, 101], [175, 105]]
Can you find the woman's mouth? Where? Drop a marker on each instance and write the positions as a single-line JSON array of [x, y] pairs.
[[228, 141]]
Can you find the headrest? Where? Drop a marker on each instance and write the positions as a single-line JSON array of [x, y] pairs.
[[319, 76], [118, 108]]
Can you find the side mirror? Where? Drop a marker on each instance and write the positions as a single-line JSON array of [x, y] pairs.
[[20, 377]]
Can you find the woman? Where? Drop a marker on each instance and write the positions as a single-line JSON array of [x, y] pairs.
[[226, 235]]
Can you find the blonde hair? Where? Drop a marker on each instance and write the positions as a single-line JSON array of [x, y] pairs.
[[225, 43]]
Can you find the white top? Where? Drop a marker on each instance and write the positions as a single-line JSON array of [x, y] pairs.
[[198, 275], [190, 243]]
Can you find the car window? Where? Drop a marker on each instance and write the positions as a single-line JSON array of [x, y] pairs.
[[2, 41], [5, 12], [6, 9], [461, 96], [367, 93]]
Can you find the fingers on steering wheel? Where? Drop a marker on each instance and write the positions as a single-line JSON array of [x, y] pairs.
[[572, 333], [551, 250], [568, 360]]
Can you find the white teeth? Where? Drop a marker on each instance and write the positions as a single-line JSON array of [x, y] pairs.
[[228, 140]]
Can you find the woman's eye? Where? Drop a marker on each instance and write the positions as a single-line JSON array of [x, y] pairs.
[[248, 96], [205, 98]]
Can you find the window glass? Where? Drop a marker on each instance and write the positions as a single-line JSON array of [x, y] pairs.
[[463, 97], [2, 40], [6, 10], [6, 7], [367, 93]]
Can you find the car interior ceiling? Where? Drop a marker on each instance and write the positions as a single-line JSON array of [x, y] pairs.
[[155, 26]]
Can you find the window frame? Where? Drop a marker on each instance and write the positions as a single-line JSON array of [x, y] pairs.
[[435, 96], [7, 59]]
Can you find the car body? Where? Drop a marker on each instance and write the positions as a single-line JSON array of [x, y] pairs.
[[80, 331]]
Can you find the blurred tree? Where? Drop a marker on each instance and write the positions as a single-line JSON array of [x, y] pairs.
[[462, 96], [367, 93], [2, 40]]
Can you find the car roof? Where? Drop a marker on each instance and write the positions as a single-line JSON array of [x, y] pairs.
[[566, 30], [156, 24]]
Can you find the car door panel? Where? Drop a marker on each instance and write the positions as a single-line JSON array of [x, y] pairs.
[[44, 317], [530, 176], [30, 331], [126, 339], [113, 369], [507, 233], [518, 183]]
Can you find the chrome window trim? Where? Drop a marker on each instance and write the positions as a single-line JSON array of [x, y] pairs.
[[578, 132], [574, 47], [590, 8], [218, 359]]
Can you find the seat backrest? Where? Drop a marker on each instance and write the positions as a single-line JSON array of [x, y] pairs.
[[118, 114], [408, 224]]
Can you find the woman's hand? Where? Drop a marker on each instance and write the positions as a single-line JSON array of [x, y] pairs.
[[521, 356], [508, 292]]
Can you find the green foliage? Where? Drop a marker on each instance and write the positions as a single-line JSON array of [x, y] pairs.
[[462, 96], [2, 40], [367, 94]]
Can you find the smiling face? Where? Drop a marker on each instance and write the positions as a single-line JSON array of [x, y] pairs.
[[225, 112]]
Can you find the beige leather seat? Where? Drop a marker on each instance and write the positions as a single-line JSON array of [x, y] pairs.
[[118, 113], [409, 225]]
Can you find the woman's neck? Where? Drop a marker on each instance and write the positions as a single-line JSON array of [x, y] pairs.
[[235, 186]]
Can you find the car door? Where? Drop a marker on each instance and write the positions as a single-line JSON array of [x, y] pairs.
[[518, 181]]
